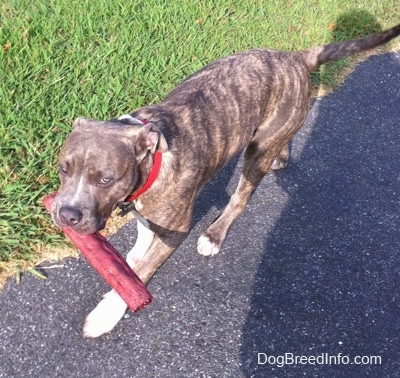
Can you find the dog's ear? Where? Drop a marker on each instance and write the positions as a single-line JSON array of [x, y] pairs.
[[149, 138], [80, 122]]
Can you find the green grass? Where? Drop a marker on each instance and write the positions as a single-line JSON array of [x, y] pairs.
[[61, 59]]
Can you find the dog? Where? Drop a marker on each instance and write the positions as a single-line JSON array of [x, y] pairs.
[[254, 100]]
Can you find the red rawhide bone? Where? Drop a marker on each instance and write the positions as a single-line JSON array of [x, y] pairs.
[[103, 257]]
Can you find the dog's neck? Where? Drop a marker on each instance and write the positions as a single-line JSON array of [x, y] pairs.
[[149, 169]]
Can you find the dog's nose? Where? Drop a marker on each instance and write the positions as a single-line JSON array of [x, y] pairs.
[[70, 216]]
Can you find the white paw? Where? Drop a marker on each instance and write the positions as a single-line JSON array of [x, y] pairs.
[[105, 316], [278, 164], [205, 247]]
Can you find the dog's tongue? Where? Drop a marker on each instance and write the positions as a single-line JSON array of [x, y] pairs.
[[104, 258]]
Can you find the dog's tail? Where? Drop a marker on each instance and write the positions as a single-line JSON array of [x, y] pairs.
[[316, 56]]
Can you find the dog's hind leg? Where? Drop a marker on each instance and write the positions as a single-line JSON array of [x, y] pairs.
[[256, 166], [267, 150]]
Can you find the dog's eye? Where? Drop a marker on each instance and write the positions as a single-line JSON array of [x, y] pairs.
[[63, 170], [104, 180]]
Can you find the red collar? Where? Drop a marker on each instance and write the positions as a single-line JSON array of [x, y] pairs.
[[151, 177]]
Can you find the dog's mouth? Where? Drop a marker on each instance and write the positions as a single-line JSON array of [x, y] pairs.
[[84, 228]]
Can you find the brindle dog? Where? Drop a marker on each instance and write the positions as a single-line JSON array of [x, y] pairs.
[[254, 100]]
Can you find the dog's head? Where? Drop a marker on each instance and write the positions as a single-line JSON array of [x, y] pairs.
[[99, 167]]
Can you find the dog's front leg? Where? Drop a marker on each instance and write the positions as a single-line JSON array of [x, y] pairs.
[[149, 253], [112, 307]]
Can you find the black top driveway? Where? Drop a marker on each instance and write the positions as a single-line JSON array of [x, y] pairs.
[[307, 283]]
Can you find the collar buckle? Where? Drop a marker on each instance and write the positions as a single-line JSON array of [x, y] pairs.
[[125, 208]]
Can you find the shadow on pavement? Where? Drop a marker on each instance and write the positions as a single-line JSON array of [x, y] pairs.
[[330, 276]]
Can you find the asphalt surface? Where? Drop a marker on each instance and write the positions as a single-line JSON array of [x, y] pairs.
[[312, 269]]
